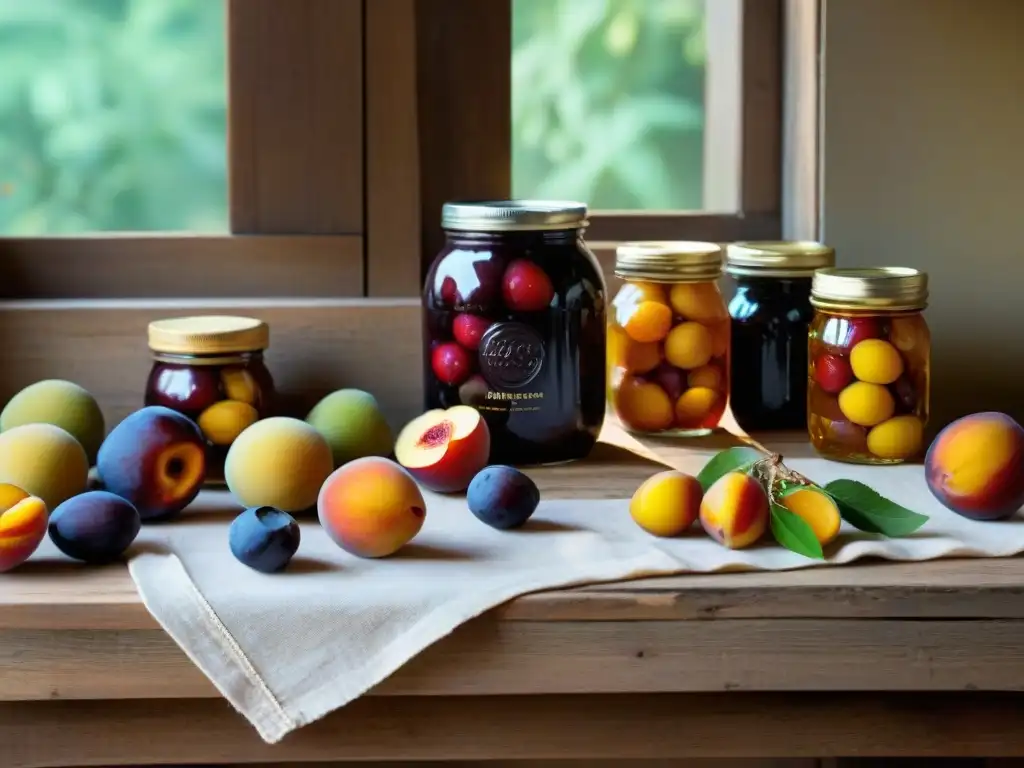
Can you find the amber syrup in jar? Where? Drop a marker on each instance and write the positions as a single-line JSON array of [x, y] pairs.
[[211, 369], [668, 339], [514, 326], [870, 364], [771, 314]]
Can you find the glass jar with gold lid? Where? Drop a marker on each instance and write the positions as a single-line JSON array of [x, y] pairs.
[[870, 363], [211, 369], [668, 338], [771, 314]]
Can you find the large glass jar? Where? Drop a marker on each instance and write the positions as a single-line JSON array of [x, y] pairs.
[[514, 325], [211, 369], [668, 338], [870, 362], [771, 313]]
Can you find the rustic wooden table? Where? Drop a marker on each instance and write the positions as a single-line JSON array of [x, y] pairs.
[[871, 659]]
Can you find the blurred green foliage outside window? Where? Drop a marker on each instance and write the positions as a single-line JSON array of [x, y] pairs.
[[113, 116], [608, 102]]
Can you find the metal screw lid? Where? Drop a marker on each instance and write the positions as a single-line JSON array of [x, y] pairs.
[[796, 258], [513, 215], [890, 288], [670, 262], [208, 334]]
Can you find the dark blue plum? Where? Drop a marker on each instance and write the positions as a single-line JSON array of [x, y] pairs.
[[95, 527], [503, 497], [264, 538]]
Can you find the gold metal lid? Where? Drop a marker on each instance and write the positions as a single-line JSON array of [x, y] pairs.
[[782, 258], [890, 288], [208, 334], [669, 262], [513, 215]]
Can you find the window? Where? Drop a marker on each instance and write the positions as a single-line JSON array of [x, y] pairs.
[[664, 115]]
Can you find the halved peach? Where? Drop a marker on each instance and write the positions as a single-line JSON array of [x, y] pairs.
[[444, 448]]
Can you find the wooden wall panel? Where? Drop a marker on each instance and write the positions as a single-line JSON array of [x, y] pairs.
[[393, 250], [193, 266], [316, 347], [296, 116]]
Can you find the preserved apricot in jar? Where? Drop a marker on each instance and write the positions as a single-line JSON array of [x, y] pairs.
[[869, 364], [668, 339]]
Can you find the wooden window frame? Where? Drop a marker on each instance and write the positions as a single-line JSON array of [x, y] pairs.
[[296, 179], [340, 237]]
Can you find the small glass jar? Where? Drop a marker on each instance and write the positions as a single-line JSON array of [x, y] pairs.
[[668, 339], [870, 363], [514, 314], [771, 314], [211, 369]]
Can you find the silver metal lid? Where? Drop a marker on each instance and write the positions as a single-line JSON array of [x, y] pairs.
[[513, 215]]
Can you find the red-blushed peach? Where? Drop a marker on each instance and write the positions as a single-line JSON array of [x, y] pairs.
[[666, 504], [371, 507], [444, 448], [734, 511], [22, 525], [975, 466], [156, 459]]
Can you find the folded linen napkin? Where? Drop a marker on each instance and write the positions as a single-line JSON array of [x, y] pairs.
[[286, 649]]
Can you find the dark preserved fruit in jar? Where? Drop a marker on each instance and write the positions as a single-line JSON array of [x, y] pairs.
[[211, 369], [771, 313], [514, 326]]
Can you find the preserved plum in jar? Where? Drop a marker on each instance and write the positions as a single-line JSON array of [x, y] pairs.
[[870, 365], [514, 326], [211, 369], [668, 339], [771, 315]]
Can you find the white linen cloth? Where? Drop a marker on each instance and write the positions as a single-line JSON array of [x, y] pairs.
[[286, 649]]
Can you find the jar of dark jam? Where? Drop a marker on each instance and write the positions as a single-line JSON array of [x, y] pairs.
[[211, 369], [514, 326], [771, 312]]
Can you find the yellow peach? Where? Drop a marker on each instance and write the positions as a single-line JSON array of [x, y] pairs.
[[371, 507], [666, 504], [734, 511]]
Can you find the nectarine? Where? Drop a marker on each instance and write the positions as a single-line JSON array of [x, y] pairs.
[[975, 467], [444, 448], [371, 507]]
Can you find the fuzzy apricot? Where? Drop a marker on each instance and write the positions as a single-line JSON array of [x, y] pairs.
[[734, 511], [816, 509], [667, 503]]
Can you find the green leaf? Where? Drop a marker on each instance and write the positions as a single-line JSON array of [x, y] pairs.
[[792, 532], [867, 510], [738, 459]]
